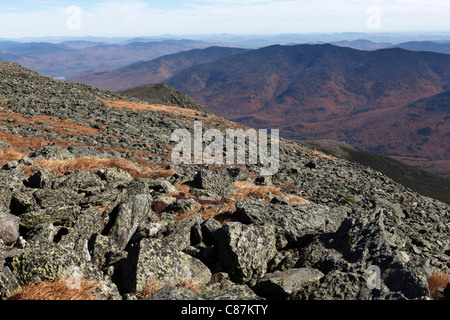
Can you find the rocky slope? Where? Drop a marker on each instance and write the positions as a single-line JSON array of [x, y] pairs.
[[418, 180], [89, 194]]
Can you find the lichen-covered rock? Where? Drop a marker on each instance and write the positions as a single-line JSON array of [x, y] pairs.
[[172, 293], [156, 260], [41, 179], [22, 201], [41, 261], [336, 285], [245, 250], [116, 174], [215, 183], [5, 198], [63, 215], [130, 214], [87, 224], [281, 284], [52, 152], [180, 236], [12, 179], [9, 228], [183, 206], [228, 290], [78, 180], [47, 261], [360, 242], [208, 228], [291, 223], [8, 283], [46, 197]]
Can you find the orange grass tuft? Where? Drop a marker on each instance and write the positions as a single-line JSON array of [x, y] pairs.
[[57, 290], [10, 154], [222, 211], [297, 200], [190, 284], [247, 189], [145, 107], [150, 288], [435, 281], [60, 167]]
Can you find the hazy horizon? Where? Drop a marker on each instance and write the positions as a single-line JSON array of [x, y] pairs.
[[136, 18]]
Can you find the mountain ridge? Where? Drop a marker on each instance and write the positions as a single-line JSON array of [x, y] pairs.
[[326, 92], [153, 71]]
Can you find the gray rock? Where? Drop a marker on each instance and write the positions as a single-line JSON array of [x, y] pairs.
[[41, 179], [128, 216], [180, 236], [42, 261], [156, 260], [87, 224], [208, 228], [52, 152], [291, 222], [168, 187], [214, 182], [363, 241], [22, 201], [8, 283], [335, 285], [116, 174], [9, 228], [46, 198], [5, 198], [183, 206], [245, 250], [63, 215], [281, 284], [172, 293], [78, 180], [228, 290], [11, 165], [12, 179]]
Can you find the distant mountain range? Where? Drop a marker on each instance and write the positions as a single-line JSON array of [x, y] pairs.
[[362, 44], [70, 58], [154, 71]]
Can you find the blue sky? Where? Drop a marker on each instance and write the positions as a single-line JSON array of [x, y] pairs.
[[183, 17]]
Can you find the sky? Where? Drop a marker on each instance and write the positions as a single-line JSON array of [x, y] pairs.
[[134, 18]]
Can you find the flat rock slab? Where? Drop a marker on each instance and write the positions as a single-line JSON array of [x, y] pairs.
[[284, 283]]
